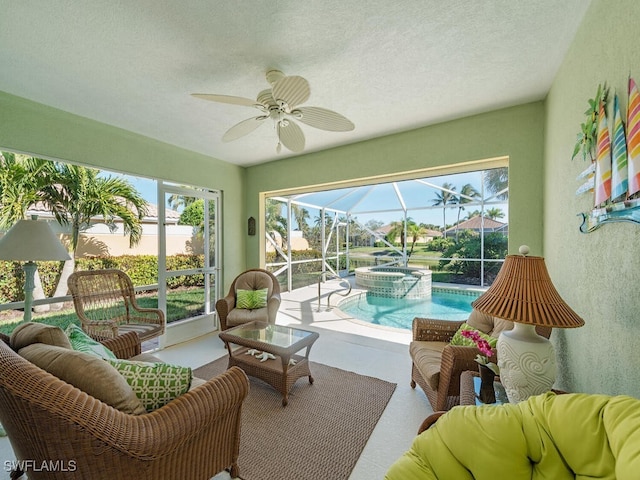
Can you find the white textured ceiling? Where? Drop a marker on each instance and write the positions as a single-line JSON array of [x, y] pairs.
[[388, 66]]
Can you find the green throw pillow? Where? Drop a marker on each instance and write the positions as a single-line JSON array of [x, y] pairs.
[[82, 342], [458, 339], [251, 299], [155, 384]]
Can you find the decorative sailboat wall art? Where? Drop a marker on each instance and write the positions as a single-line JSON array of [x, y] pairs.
[[613, 176]]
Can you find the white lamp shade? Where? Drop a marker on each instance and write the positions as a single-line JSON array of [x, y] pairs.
[[31, 240]]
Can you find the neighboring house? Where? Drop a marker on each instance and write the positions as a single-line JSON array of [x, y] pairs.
[[99, 240], [475, 224]]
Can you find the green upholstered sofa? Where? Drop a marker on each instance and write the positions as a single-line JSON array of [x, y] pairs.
[[572, 436]]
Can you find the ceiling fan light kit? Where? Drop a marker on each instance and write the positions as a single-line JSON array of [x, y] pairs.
[[281, 104]]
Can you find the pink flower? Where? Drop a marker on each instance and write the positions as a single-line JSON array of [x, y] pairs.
[[480, 342]]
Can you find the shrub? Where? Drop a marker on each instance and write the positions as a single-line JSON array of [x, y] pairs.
[[143, 270]]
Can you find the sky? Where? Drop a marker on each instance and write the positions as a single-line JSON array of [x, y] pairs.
[[370, 204], [381, 202]]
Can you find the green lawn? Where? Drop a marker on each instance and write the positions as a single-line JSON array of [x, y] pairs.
[[180, 304], [382, 255]]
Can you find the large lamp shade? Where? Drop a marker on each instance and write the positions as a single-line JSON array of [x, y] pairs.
[[524, 294], [30, 241]]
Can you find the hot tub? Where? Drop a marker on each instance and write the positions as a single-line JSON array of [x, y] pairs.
[[395, 282]]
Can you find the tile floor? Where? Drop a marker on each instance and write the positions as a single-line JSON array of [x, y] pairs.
[[343, 343]]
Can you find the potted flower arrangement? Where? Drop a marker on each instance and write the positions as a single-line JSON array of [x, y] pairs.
[[488, 370]]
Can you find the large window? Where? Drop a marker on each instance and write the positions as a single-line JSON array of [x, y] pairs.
[[457, 225], [111, 220]]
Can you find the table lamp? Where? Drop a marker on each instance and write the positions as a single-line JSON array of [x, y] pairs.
[[30, 241], [524, 294]]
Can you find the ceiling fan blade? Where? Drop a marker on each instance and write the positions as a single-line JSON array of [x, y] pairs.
[[247, 102], [243, 128], [324, 119], [291, 136], [292, 90]]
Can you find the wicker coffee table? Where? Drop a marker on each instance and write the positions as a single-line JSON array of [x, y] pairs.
[[247, 345]]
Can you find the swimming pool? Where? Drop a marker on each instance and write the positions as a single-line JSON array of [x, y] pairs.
[[444, 304]]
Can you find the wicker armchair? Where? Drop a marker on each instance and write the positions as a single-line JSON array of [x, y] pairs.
[[106, 305], [47, 420], [436, 365], [253, 279]]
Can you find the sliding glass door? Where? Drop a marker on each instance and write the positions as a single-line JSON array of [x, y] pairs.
[[188, 284]]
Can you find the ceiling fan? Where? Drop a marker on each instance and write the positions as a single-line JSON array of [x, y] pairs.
[[281, 104]]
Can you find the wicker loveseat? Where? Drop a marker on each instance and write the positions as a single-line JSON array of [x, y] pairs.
[[437, 365], [61, 432]]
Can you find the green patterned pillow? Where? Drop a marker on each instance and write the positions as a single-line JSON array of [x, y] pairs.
[[251, 299], [82, 342], [155, 384], [458, 339]]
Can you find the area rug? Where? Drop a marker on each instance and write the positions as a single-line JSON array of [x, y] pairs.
[[319, 434]]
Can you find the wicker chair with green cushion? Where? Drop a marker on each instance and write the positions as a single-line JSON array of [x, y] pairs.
[[254, 296], [105, 303], [437, 363], [571, 436], [196, 435]]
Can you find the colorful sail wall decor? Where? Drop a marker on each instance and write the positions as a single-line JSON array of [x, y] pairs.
[[615, 174], [603, 160], [619, 179], [633, 137]]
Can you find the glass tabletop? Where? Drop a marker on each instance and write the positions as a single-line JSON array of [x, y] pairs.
[[501, 394], [277, 335]]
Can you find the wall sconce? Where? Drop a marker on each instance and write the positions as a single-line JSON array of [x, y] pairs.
[[251, 227]]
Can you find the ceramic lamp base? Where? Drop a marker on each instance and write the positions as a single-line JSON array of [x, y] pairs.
[[527, 363]]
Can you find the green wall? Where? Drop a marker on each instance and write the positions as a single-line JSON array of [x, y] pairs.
[[33, 128], [514, 132], [596, 273]]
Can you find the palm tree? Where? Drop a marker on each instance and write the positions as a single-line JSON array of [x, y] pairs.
[[494, 213], [467, 194], [22, 179], [81, 194], [496, 180], [176, 201], [274, 221], [396, 230], [301, 215], [446, 197], [414, 231]]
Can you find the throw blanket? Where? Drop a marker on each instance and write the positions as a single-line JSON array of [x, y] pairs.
[[572, 436]]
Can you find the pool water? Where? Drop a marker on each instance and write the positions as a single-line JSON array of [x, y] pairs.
[[399, 312]]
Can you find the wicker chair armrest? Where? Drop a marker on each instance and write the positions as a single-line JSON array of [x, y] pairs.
[[223, 307], [148, 436], [273, 304], [226, 304], [157, 315], [431, 330], [100, 328], [110, 323], [188, 416], [430, 420], [276, 297], [123, 346], [455, 360], [460, 358]]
